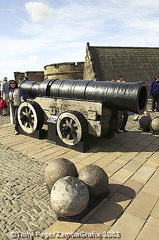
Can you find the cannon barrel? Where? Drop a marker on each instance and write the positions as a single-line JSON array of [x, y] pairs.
[[126, 96]]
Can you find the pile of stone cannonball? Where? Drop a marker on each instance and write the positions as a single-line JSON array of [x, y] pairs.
[[148, 124], [70, 190]]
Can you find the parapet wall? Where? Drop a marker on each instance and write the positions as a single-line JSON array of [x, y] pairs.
[[31, 75], [18, 76], [69, 70]]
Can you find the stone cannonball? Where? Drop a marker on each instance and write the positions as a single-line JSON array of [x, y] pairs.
[[69, 196], [145, 122], [58, 168], [95, 178], [155, 124]]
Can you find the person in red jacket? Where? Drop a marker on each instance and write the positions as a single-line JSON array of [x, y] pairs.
[[4, 95]]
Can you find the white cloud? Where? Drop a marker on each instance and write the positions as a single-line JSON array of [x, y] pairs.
[[34, 59], [39, 11], [93, 20], [30, 63]]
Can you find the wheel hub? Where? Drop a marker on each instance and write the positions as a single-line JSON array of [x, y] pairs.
[[65, 131], [68, 129]]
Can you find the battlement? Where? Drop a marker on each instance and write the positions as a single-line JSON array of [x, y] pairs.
[[66, 64], [73, 70]]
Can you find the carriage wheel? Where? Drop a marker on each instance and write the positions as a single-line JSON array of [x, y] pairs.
[[71, 127], [30, 116]]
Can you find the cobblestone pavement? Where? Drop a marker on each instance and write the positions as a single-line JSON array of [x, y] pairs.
[[24, 200], [4, 119]]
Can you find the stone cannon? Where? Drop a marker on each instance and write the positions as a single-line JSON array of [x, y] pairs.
[[75, 109]]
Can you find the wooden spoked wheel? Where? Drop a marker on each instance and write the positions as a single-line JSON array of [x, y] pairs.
[[71, 127], [30, 117]]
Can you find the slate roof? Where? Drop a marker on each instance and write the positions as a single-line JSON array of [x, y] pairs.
[[133, 63]]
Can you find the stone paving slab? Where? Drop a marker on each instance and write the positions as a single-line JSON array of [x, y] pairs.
[[131, 161], [152, 185], [155, 211], [130, 188], [61, 228], [140, 208], [150, 230], [129, 226], [143, 174], [112, 209]]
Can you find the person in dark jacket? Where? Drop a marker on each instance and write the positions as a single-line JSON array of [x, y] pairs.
[[154, 92]]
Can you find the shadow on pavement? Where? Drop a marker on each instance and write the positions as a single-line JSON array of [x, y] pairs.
[[112, 209], [124, 142]]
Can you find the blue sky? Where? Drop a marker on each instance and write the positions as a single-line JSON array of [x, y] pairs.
[[37, 33]]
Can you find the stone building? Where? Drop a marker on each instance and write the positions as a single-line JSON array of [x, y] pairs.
[[133, 63], [68, 70], [31, 75]]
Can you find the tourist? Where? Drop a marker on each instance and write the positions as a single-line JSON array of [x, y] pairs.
[[154, 92], [15, 98], [5, 95]]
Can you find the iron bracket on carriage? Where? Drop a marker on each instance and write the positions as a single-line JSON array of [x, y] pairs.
[[74, 110]]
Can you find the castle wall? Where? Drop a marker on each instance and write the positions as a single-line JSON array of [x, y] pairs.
[[88, 73], [31, 75], [18, 76], [69, 70]]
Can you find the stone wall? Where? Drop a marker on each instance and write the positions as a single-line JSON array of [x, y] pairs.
[[69, 70], [133, 63], [18, 76], [89, 73], [32, 76]]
